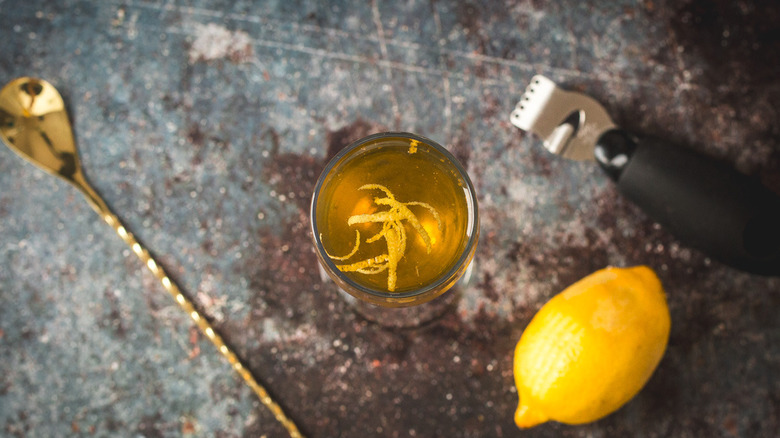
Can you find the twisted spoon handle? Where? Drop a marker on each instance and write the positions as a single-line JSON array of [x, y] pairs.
[[111, 219]]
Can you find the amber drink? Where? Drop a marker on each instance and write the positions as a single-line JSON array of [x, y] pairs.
[[394, 219]]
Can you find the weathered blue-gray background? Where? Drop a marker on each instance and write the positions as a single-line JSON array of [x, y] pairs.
[[204, 124]]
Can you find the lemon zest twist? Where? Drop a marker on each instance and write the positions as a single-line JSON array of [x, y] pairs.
[[413, 146], [393, 231]]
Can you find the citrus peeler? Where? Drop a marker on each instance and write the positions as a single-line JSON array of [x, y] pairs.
[[705, 203]]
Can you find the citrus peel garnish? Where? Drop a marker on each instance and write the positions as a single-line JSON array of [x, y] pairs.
[[351, 253], [413, 146], [393, 231]]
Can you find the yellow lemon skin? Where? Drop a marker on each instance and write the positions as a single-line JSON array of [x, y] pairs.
[[592, 347]]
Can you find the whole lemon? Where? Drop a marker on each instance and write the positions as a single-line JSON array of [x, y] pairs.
[[592, 347]]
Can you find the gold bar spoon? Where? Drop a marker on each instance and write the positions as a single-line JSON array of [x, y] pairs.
[[34, 123]]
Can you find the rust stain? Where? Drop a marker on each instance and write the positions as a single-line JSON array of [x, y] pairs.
[[194, 336]]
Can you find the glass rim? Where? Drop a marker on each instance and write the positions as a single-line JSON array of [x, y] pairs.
[[458, 265]]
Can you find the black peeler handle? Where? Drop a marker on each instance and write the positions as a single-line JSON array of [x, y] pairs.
[[705, 203]]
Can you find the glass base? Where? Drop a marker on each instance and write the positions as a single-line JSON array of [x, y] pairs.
[[406, 317]]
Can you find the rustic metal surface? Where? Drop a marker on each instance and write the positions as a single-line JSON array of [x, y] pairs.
[[205, 124]]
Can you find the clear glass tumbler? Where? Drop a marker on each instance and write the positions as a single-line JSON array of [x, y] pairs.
[[394, 219]]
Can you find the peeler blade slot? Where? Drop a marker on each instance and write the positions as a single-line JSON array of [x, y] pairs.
[[558, 141]]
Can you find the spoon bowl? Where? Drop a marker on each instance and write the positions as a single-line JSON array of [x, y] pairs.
[[34, 123], [32, 114]]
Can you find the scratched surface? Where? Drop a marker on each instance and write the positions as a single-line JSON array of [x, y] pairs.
[[205, 124]]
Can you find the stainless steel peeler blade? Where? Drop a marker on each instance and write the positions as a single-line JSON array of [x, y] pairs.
[[569, 122]]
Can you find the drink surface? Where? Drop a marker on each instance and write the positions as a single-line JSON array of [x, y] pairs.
[[386, 185]]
